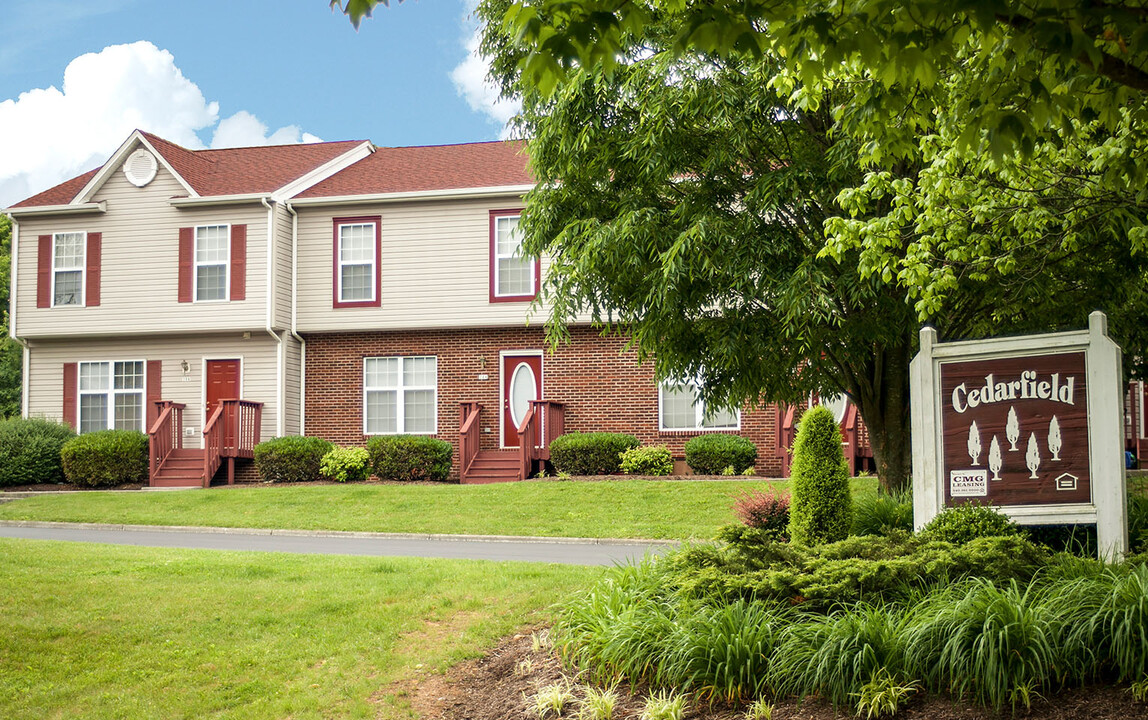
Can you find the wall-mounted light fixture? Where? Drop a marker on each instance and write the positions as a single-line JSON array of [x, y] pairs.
[[185, 366], [482, 361]]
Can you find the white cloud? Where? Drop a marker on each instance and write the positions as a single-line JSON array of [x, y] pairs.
[[471, 81], [50, 135], [245, 130]]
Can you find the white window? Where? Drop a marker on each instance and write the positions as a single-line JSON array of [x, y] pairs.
[[400, 395], [212, 258], [111, 395], [513, 273], [682, 409], [356, 271], [68, 268]]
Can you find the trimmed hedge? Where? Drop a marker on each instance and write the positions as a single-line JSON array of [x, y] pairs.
[[821, 506], [30, 451], [106, 458], [651, 460], [596, 453], [964, 523], [346, 464], [291, 458], [410, 457], [714, 454]]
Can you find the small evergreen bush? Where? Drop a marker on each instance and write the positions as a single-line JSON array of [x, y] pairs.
[[713, 454], [106, 458], [596, 453], [821, 507], [30, 451], [410, 457], [652, 460], [763, 510], [291, 458], [346, 464], [962, 523]]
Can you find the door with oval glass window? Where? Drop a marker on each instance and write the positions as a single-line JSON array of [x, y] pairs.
[[521, 383]]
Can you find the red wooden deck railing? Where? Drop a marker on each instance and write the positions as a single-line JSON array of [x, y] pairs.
[[468, 435], [231, 432], [165, 435], [544, 421]]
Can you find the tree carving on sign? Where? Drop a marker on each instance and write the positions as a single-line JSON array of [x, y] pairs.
[[1032, 456], [974, 443], [995, 458], [1012, 429], [1054, 438]]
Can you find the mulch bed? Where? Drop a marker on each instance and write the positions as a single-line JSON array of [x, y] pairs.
[[498, 686]]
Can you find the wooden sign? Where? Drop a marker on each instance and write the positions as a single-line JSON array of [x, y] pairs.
[[1015, 430], [1031, 425]]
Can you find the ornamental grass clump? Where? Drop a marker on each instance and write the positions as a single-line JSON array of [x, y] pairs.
[[106, 458], [821, 509], [882, 513], [30, 451]]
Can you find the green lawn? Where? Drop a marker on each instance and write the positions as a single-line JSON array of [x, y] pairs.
[[620, 508], [89, 631]]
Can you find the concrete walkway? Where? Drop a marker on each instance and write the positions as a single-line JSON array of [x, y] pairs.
[[569, 551]]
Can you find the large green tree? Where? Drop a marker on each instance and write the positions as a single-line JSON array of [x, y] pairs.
[[686, 199]]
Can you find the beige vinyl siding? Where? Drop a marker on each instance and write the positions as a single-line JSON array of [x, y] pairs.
[[45, 374], [435, 268], [293, 378], [282, 309], [140, 265]]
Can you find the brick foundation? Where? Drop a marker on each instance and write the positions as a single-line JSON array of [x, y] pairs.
[[602, 388]]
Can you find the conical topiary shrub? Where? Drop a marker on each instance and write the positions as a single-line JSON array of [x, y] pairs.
[[821, 509]]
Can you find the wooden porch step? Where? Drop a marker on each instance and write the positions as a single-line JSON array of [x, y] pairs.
[[491, 466], [183, 468]]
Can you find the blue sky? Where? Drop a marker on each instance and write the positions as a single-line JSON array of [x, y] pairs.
[[216, 73]]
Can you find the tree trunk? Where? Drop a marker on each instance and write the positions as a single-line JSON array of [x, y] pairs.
[[885, 411]]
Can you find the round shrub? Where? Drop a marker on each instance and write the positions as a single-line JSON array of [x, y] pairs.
[[590, 453], [713, 454], [962, 523], [291, 458], [410, 457], [106, 458], [821, 507], [346, 464], [764, 511], [652, 460], [30, 451]]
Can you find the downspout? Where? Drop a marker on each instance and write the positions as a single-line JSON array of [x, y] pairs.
[[294, 318], [13, 287], [279, 424]]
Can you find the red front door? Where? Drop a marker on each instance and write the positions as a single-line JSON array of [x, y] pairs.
[[222, 383], [521, 383]]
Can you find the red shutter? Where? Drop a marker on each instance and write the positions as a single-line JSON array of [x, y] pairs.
[[154, 391], [70, 394], [44, 272], [238, 262], [186, 251], [92, 291]]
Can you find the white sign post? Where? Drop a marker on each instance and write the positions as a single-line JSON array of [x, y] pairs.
[[1033, 425]]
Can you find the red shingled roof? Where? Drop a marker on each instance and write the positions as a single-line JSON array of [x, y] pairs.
[[61, 194], [432, 167], [235, 171]]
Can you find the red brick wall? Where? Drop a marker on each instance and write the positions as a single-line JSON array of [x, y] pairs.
[[603, 389]]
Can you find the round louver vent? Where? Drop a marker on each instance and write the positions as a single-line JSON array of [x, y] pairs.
[[140, 168]]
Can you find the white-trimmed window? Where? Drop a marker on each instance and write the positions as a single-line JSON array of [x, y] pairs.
[[111, 395], [68, 268], [681, 408], [356, 271], [400, 395], [212, 261], [514, 275]]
